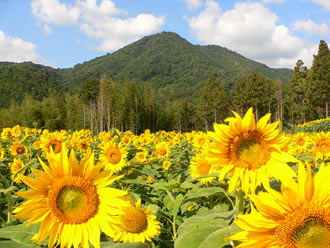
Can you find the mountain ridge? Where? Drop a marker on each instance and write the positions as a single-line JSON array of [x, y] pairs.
[[165, 59]]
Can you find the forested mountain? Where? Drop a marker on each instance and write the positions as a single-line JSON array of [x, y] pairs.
[[171, 62], [18, 79], [166, 60]]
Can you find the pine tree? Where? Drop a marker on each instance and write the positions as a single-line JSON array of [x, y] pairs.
[[319, 81]]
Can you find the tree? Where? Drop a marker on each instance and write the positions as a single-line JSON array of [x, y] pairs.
[[319, 81]]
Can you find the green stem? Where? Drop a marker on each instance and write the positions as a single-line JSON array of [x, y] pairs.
[[240, 201], [174, 227]]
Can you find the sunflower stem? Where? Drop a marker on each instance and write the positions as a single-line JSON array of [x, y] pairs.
[[174, 227], [240, 201]]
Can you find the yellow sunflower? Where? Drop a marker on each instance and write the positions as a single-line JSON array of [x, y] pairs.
[[71, 200], [55, 140], [15, 166], [2, 152], [322, 145], [136, 224], [113, 157], [299, 143], [250, 152], [299, 217], [17, 149], [162, 149], [200, 165]]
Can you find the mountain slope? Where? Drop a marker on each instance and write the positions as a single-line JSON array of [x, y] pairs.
[[18, 79], [175, 66]]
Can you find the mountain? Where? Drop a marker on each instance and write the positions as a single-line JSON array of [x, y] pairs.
[[168, 61], [18, 79]]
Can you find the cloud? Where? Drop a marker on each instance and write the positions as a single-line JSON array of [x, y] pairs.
[[18, 50], [273, 1], [100, 21], [324, 3], [251, 30], [193, 4], [311, 27], [54, 12]]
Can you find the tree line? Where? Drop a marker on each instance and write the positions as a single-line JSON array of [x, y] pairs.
[[101, 104]]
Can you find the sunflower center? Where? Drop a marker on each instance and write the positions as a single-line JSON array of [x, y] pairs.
[[70, 199], [300, 142], [203, 167], [134, 220], [20, 150], [249, 150], [325, 147], [56, 146], [73, 200], [201, 141], [114, 156], [313, 232], [161, 150], [84, 145]]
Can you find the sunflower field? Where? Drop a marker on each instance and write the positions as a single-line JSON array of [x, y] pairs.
[[245, 184]]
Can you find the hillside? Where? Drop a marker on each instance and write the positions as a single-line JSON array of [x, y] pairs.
[[18, 79], [166, 60]]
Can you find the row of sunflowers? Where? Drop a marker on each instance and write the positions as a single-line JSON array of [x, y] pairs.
[[246, 184]]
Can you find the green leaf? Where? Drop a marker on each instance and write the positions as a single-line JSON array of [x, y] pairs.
[[12, 244], [123, 245], [20, 234], [205, 231], [203, 192]]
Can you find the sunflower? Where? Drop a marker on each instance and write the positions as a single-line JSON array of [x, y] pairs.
[[136, 224], [142, 155], [55, 140], [322, 145], [299, 143], [17, 149], [250, 152], [162, 149], [113, 157], [299, 217], [200, 165], [15, 166], [2, 152], [71, 200], [166, 165]]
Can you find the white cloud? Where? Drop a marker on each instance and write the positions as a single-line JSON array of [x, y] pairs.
[[324, 3], [99, 21], [54, 12], [17, 50], [249, 29], [193, 4], [273, 1], [311, 27]]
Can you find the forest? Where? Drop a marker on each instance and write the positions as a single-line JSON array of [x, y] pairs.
[[102, 103]]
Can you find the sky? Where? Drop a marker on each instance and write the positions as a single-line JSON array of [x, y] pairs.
[[63, 33]]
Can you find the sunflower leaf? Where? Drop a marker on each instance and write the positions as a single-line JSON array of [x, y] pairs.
[[20, 234], [205, 231], [12, 244], [10, 189], [123, 245]]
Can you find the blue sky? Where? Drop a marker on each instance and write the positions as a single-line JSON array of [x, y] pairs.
[[62, 33]]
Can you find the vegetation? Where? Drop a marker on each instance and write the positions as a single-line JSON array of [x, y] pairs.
[[181, 100]]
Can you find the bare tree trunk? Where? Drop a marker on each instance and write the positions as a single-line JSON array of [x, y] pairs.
[[206, 127], [326, 109], [257, 114], [84, 113]]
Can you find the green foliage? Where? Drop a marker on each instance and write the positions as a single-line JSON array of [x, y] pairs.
[[315, 127], [18, 79]]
